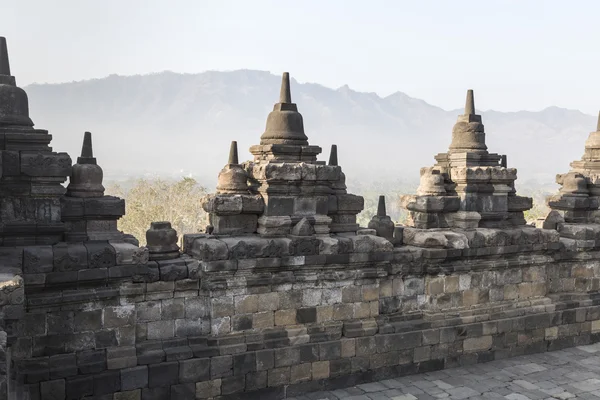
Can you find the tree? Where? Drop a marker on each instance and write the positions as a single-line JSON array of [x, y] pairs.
[[149, 200]]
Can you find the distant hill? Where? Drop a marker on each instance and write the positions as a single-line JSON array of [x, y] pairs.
[[174, 124]]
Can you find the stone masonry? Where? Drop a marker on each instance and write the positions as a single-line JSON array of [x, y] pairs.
[[285, 294]]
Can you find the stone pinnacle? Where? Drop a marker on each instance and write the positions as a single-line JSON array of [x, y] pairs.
[[86, 149], [233, 153], [470, 104], [598, 125], [4, 64], [381, 212], [285, 95], [333, 159]]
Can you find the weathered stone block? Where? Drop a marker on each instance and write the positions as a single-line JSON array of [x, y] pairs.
[[115, 317], [209, 389], [161, 329], [256, 380], [300, 373], [287, 356], [320, 370], [107, 382], [207, 249], [173, 270], [53, 390], [222, 306], [221, 366], [148, 311], [129, 395], [191, 327], [478, 343], [246, 304], [121, 357], [262, 320], [134, 378], [172, 308], [62, 366], [278, 376], [220, 326], [157, 393], [91, 361], [163, 374], [234, 224], [80, 386], [265, 359], [34, 260], [268, 301], [183, 391], [306, 315]]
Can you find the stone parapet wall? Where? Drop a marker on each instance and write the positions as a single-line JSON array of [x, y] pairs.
[[276, 326]]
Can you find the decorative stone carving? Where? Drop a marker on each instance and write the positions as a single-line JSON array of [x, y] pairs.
[[303, 228]]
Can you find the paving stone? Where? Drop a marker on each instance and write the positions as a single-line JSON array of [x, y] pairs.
[[462, 392], [526, 385], [404, 397], [588, 385], [442, 385], [516, 396], [564, 395], [372, 387]]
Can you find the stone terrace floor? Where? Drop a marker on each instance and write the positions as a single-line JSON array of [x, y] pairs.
[[565, 374]]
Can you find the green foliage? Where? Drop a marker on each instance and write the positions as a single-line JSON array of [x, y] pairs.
[[148, 200], [392, 192]]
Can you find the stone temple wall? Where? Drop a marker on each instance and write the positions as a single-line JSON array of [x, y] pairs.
[[270, 327], [284, 293]]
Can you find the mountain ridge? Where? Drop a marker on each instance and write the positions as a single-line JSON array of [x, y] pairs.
[[391, 136]]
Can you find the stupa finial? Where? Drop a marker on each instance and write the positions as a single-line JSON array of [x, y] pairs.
[[233, 153], [285, 95], [87, 152], [4, 64], [381, 211], [333, 157], [86, 149], [470, 104], [598, 125]]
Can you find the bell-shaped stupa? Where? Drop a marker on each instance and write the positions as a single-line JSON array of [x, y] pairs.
[[284, 123], [233, 178], [86, 175], [14, 105]]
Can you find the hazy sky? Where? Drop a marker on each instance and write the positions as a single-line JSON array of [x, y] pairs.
[[521, 54]]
